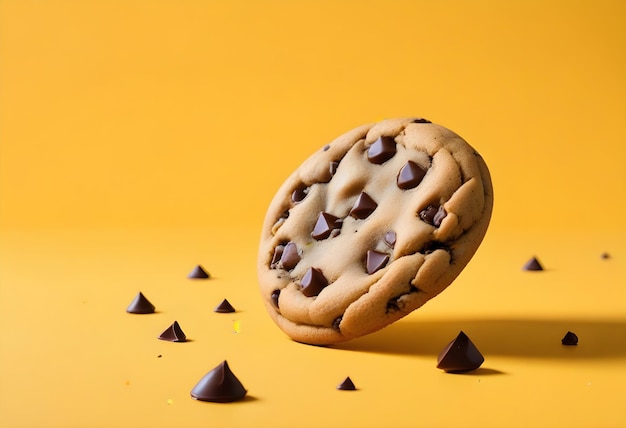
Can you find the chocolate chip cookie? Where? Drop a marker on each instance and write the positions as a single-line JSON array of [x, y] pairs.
[[371, 227]]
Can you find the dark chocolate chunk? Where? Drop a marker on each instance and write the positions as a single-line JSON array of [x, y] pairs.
[[326, 147], [220, 385], [140, 305], [433, 246], [299, 194], [313, 282], [173, 333], [460, 355], [390, 238], [324, 225], [433, 215], [363, 206], [381, 150], [375, 261], [278, 253], [290, 256], [532, 264], [336, 323], [332, 168], [570, 339], [346, 385], [410, 175], [275, 295], [224, 308], [421, 120], [198, 273]]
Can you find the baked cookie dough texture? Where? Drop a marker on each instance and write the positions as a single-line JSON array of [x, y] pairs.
[[371, 227]]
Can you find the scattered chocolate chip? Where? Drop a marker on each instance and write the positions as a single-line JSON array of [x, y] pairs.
[[346, 385], [275, 295], [159, 356], [410, 175], [224, 308], [605, 256], [299, 194], [363, 206], [326, 147], [173, 333], [336, 323], [313, 282], [460, 355], [332, 168], [198, 272], [324, 225], [421, 120], [390, 238], [532, 264], [140, 305], [570, 339], [433, 215], [219, 385], [290, 256], [383, 149], [375, 261]]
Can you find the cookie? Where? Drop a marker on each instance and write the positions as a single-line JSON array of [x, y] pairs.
[[371, 227]]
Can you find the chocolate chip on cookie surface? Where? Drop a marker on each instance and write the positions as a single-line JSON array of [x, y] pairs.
[[371, 227]]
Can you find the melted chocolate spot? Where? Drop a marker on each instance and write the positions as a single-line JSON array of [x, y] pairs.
[[275, 295], [313, 282], [421, 120], [325, 225], [392, 305], [433, 215], [299, 194], [333, 168], [383, 149], [363, 206], [375, 261], [410, 176], [390, 238], [336, 323]]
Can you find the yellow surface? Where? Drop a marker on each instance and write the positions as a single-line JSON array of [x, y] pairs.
[[140, 138]]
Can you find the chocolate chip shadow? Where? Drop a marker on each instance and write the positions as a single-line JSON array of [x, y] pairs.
[[527, 338]]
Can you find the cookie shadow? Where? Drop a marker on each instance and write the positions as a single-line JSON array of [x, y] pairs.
[[528, 338]]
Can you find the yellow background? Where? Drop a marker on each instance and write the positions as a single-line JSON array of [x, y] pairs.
[[139, 138]]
